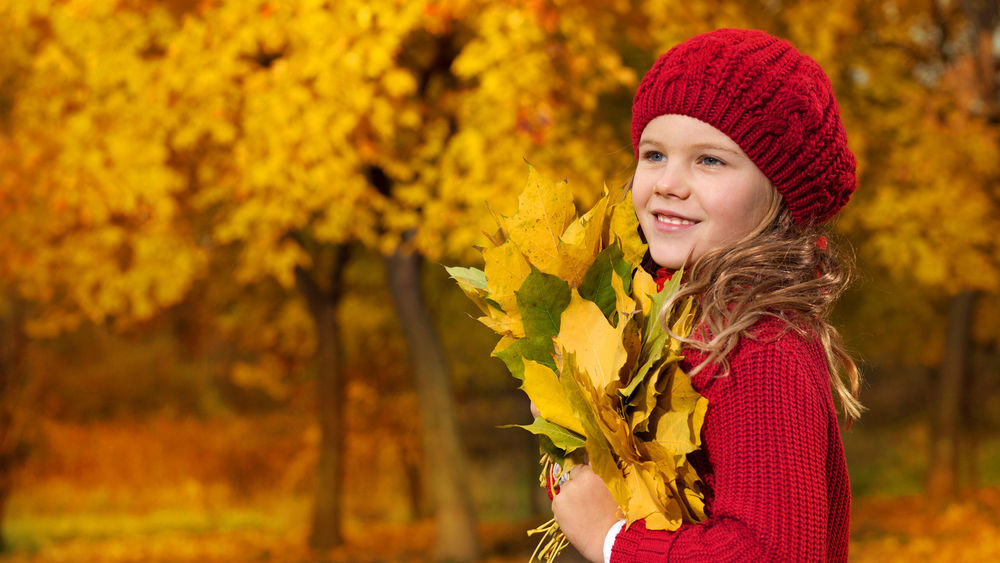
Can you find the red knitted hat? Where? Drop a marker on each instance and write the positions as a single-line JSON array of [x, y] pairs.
[[773, 101]]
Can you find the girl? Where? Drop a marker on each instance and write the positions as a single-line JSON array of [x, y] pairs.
[[741, 156]]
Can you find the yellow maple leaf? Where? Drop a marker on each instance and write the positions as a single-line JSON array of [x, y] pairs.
[[505, 270], [477, 296], [632, 341], [542, 386], [643, 285], [597, 345], [624, 304], [681, 326], [649, 498], [584, 399], [503, 323], [683, 411], [545, 209], [645, 401], [624, 227], [579, 244]]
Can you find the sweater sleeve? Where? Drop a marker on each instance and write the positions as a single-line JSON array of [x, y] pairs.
[[767, 434]]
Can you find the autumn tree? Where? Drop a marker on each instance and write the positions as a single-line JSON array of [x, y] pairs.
[[90, 226], [924, 82], [395, 134], [495, 84]]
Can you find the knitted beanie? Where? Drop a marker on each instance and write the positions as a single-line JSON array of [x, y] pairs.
[[774, 102]]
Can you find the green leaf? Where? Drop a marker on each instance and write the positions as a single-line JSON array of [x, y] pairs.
[[561, 438], [541, 299], [654, 329], [538, 348], [546, 447], [638, 377], [596, 283], [473, 283], [651, 358], [474, 277]]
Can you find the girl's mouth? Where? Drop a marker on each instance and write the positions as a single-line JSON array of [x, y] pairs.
[[672, 220]]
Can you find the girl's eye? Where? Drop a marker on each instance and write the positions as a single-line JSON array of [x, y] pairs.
[[654, 156], [711, 161]]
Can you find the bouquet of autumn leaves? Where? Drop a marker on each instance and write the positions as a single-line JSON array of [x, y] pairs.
[[581, 328]]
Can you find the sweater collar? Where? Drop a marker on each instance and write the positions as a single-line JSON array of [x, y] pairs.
[[663, 275]]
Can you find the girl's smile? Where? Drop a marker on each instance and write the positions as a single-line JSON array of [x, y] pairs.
[[670, 222], [695, 190]]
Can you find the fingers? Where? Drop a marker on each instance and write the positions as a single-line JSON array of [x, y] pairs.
[[581, 471], [585, 510], [564, 477], [534, 410]]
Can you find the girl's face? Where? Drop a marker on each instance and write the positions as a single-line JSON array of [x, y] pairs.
[[695, 190]]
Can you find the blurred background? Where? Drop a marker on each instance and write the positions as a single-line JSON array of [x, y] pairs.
[[225, 329]]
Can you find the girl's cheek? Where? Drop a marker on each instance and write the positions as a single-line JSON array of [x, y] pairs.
[[645, 234]]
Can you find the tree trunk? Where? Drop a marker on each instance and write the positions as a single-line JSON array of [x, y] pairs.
[[13, 411], [984, 15], [414, 488], [946, 434], [326, 528], [445, 469], [969, 444], [4, 493]]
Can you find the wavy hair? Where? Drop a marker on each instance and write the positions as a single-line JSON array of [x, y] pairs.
[[777, 270]]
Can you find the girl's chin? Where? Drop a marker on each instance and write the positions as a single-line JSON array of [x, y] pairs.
[[671, 259], [670, 264]]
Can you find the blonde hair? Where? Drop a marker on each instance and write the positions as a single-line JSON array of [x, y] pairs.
[[778, 270]]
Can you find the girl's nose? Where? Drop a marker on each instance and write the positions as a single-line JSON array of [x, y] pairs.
[[671, 182]]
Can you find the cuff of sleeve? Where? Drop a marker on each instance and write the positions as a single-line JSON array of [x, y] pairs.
[[609, 540]]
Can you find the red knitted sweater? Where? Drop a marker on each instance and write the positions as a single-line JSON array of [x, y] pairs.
[[772, 461]]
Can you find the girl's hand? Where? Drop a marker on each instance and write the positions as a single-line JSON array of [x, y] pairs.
[[585, 511]]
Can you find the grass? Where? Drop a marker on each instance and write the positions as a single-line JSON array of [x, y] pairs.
[[32, 531], [82, 512], [260, 533]]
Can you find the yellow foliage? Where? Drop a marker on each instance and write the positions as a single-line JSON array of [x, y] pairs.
[[597, 345], [542, 386], [251, 124], [545, 209], [580, 242], [926, 206], [94, 225], [302, 120]]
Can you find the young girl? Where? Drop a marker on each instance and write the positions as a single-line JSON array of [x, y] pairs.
[[741, 156]]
